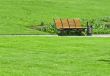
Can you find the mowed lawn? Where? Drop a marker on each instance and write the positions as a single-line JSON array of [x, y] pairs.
[[17, 15], [54, 56]]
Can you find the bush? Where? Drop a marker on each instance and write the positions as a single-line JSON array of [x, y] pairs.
[[100, 25]]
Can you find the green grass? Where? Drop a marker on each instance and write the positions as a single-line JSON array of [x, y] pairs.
[[54, 56], [16, 15]]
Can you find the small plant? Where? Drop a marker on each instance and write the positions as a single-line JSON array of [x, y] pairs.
[[42, 23], [51, 28]]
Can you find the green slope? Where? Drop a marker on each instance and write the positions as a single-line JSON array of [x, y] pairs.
[[52, 56], [16, 15]]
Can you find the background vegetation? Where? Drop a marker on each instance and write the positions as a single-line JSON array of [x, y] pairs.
[[16, 16]]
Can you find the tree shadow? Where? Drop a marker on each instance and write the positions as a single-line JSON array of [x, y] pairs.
[[105, 60]]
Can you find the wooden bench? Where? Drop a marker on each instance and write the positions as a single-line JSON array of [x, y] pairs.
[[68, 25]]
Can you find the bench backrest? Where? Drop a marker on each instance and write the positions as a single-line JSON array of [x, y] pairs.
[[67, 23]]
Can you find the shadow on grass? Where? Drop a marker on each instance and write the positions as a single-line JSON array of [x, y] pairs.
[[105, 60]]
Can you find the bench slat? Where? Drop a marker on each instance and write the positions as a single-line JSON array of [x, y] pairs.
[[71, 23], [58, 24], [77, 23], [65, 23], [68, 24]]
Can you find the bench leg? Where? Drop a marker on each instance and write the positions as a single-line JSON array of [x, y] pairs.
[[60, 32]]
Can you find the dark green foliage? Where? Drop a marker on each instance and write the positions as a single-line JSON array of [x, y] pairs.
[[100, 25]]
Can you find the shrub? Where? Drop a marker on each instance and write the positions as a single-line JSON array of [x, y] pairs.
[[100, 25]]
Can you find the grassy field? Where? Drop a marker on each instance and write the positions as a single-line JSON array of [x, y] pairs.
[[16, 15], [54, 56]]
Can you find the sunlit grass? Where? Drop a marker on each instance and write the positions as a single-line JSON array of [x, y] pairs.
[[54, 56]]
